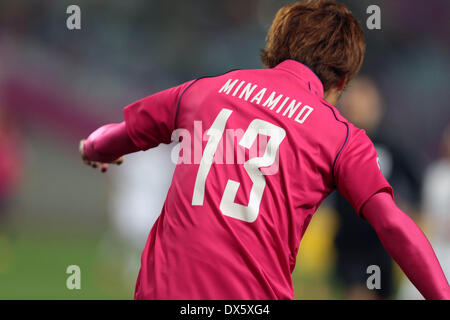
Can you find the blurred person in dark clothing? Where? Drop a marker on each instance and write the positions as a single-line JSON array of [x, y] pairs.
[[356, 242], [10, 162]]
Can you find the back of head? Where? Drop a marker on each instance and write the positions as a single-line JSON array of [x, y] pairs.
[[321, 34]]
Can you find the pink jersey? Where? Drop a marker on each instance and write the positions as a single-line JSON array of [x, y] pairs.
[[260, 150]]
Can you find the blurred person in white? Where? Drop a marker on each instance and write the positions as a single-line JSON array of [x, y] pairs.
[[436, 209], [137, 196]]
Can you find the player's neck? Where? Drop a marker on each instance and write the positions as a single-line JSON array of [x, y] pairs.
[[332, 96]]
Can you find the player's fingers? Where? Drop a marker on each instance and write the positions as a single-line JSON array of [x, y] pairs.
[[118, 161], [104, 167]]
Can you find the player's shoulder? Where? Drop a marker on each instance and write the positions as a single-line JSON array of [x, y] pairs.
[[233, 74], [335, 115], [331, 113], [204, 83], [353, 133], [332, 120], [219, 76]]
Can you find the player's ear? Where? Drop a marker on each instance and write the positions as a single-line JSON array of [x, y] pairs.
[[342, 83]]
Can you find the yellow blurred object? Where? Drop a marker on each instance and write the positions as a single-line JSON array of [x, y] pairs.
[[316, 257], [316, 254]]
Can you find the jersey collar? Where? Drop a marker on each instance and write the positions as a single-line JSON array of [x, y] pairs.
[[305, 74]]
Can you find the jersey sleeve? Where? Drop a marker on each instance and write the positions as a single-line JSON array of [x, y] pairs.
[[357, 173], [151, 120]]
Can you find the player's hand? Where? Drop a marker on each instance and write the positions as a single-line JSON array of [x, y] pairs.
[[95, 164]]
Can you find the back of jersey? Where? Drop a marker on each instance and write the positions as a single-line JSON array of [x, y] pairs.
[[258, 154]]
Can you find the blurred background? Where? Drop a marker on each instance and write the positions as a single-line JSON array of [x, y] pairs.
[[57, 85]]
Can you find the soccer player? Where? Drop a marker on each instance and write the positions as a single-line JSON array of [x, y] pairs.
[[233, 217]]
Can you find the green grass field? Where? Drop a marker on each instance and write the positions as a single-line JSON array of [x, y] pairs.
[[34, 259], [33, 266]]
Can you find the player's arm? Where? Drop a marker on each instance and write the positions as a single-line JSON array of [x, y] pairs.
[[107, 144], [148, 122], [407, 245], [360, 181]]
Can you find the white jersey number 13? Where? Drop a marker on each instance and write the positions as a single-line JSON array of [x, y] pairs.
[[227, 205]]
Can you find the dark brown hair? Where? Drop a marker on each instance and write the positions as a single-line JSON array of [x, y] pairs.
[[321, 34]]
